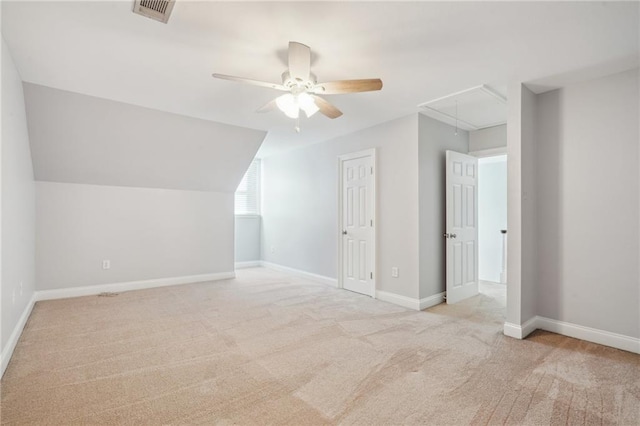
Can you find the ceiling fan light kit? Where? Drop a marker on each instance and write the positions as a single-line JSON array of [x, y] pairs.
[[291, 104], [303, 87]]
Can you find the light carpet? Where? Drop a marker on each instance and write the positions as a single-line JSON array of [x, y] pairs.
[[268, 348]]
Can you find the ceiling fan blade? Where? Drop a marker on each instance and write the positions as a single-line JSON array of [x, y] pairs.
[[348, 86], [252, 82], [326, 108], [299, 61], [269, 106]]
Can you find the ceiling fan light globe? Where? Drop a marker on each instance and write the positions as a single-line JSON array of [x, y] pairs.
[[289, 105], [293, 113], [307, 104]]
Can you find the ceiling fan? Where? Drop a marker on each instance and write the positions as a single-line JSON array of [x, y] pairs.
[[303, 88]]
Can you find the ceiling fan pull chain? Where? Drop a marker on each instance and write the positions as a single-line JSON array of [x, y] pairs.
[[297, 128]]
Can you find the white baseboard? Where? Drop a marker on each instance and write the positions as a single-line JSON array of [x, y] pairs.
[[63, 293], [430, 301], [607, 338], [396, 299], [248, 264], [520, 331], [320, 278], [7, 351], [410, 302]]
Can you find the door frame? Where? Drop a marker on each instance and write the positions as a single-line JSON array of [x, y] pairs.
[[374, 192]]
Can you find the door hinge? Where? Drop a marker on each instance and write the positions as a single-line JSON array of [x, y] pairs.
[[371, 222], [371, 275], [371, 169]]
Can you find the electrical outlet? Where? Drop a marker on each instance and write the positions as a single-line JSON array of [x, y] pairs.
[[394, 272], [273, 249], [106, 264]]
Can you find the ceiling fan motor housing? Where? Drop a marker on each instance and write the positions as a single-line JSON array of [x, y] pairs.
[[293, 83]]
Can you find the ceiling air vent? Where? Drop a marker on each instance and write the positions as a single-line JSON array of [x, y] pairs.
[[160, 10]]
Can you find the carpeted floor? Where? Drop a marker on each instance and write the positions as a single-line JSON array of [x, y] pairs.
[[268, 348]]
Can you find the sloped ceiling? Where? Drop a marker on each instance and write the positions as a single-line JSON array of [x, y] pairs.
[[421, 50], [83, 139]]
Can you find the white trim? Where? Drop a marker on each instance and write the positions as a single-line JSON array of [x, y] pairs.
[[607, 338], [248, 264], [7, 351], [489, 152], [320, 278], [430, 301], [594, 335], [396, 299], [371, 152], [63, 293], [520, 331], [450, 119], [358, 154]]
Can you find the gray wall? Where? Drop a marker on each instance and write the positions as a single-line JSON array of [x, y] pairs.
[[247, 238], [83, 139], [435, 138], [18, 202], [149, 190], [146, 233], [489, 138], [587, 204], [521, 215], [300, 216], [530, 169]]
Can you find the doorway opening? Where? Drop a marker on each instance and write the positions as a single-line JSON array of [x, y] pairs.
[[476, 226], [492, 227]]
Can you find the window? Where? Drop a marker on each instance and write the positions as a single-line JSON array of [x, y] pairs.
[[248, 192]]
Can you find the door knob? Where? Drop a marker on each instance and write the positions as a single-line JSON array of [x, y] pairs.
[[447, 235], [344, 232]]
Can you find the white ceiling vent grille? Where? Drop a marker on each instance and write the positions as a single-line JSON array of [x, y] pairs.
[[160, 10]]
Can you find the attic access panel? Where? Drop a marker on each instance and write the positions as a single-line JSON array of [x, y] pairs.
[[477, 108]]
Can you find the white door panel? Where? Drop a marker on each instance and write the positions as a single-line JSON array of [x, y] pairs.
[[357, 221], [462, 226]]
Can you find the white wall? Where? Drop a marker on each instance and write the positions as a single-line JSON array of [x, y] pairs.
[[145, 233], [489, 138], [435, 138], [587, 204], [247, 238], [300, 216], [492, 215], [18, 203]]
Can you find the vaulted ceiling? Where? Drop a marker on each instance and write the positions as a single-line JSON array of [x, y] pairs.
[[83, 139], [421, 50]]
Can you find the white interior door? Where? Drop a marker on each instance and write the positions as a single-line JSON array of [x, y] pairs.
[[358, 207], [462, 226]]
